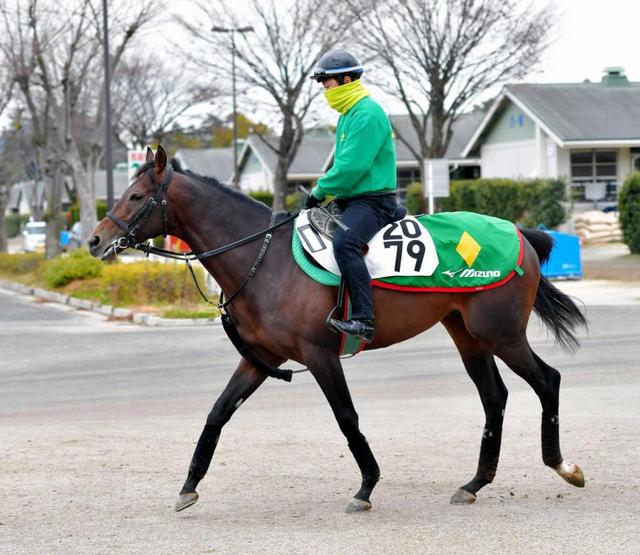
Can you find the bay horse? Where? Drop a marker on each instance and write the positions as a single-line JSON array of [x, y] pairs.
[[280, 316]]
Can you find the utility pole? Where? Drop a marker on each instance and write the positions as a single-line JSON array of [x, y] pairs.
[[108, 147], [233, 31]]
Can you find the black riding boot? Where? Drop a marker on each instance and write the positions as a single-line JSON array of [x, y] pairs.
[[362, 328]]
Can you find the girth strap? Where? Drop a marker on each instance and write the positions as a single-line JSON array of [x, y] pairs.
[[249, 355]]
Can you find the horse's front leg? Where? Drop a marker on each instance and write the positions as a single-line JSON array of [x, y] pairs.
[[245, 380], [327, 370]]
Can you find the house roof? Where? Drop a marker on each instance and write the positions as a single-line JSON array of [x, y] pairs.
[[120, 183], [572, 112], [310, 159], [462, 130], [215, 162]]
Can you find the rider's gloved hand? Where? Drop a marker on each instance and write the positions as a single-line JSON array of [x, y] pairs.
[[311, 202]]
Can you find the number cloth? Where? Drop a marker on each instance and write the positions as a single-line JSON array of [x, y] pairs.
[[364, 161], [449, 251]]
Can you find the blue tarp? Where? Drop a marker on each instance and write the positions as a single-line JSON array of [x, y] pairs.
[[564, 261]]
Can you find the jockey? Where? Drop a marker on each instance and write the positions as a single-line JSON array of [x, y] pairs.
[[362, 178]]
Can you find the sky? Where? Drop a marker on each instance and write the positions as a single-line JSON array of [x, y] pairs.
[[590, 35]]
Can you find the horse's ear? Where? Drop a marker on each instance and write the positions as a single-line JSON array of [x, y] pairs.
[[161, 160], [149, 154]]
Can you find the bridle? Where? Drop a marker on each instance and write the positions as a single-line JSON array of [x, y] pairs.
[[160, 197], [140, 217]]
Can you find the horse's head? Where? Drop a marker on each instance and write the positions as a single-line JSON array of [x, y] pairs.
[[141, 212]]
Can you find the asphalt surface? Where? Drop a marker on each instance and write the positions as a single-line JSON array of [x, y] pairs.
[[98, 421]]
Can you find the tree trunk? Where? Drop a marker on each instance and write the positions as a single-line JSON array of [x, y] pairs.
[[280, 185], [53, 185], [86, 188], [4, 200]]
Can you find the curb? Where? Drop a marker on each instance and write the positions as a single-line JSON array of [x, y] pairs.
[[141, 318]]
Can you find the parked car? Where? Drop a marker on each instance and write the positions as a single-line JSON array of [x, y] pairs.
[[34, 236]]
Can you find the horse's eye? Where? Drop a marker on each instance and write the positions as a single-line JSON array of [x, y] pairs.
[[136, 196]]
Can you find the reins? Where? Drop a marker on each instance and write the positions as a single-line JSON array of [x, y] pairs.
[[128, 241], [189, 257]]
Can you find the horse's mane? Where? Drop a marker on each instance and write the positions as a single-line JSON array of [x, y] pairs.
[[213, 182]]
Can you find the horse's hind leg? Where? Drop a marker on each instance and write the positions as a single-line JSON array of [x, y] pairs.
[[244, 381], [545, 381], [481, 367], [327, 371]]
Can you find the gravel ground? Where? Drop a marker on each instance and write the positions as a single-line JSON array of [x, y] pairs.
[[100, 473]]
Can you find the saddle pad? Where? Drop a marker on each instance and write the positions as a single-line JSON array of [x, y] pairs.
[[449, 251]]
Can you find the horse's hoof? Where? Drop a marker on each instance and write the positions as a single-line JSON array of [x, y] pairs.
[[571, 473], [357, 506], [186, 500], [462, 497]]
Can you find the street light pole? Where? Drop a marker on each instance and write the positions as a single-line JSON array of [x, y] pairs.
[[108, 150], [233, 31]]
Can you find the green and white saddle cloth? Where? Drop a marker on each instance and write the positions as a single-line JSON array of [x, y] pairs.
[[449, 251]]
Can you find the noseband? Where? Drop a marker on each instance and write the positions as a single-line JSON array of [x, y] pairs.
[[141, 216]]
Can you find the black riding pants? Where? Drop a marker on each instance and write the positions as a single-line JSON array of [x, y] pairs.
[[365, 216]]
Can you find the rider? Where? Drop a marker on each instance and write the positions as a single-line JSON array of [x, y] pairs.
[[362, 178]]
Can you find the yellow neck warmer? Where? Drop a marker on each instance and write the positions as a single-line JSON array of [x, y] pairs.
[[344, 97]]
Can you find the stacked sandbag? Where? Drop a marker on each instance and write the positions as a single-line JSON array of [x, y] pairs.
[[596, 227]]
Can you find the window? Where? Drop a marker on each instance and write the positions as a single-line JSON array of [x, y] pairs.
[[590, 168]]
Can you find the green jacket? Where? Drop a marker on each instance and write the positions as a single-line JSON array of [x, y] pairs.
[[364, 161]]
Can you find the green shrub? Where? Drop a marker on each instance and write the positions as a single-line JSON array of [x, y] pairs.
[[77, 265], [545, 200], [13, 224], [263, 196], [20, 264], [629, 211], [151, 283], [528, 202], [294, 201], [101, 211], [414, 199]]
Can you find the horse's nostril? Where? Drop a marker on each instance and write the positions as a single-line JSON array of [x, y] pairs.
[[94, 242]]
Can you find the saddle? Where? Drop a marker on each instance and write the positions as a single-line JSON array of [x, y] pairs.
[[321, 220]]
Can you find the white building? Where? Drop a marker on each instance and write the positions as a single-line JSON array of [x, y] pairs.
[[586, 133]]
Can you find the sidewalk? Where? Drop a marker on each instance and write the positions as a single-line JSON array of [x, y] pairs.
[[104, 309]]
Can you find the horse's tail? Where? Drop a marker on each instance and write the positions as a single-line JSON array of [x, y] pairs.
[[556, 309]]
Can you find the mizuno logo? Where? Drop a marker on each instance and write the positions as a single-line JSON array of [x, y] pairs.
[[471, 273]]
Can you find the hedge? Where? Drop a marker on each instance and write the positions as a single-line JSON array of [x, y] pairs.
[[13, 224], [293, 201], [151, 283], [101, 211], [629, 212], [20, 264], [527, 202], [77, 265]]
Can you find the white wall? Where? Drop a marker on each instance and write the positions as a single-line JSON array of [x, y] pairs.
[[564, 163], [510, 160], [256, 181], [552, 155], [624, 163]]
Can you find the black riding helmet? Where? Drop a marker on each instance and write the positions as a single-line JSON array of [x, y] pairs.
[[336, 63]]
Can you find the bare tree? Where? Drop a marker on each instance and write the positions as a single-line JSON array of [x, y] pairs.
[[148, 98], [54, 52], [440, 54], [273, 62], [6, 91]]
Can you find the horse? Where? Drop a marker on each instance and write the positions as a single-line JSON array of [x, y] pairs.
[[280, 316]]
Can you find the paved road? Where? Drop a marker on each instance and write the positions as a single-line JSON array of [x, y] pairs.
[[98, 421]]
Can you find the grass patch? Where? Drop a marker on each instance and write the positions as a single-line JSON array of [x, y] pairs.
[[208, 313], [143, 286]]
